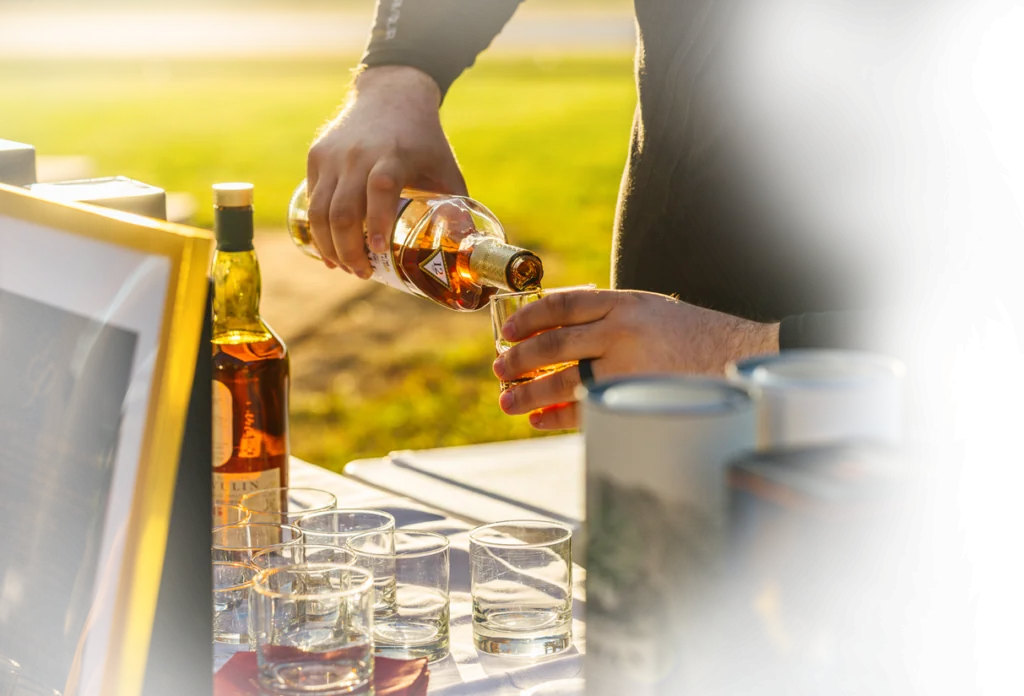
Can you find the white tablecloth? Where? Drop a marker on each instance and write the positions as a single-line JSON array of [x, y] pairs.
[[536, 479], [465, 671]]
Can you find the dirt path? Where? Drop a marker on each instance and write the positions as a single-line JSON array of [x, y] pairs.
[[344, 333]]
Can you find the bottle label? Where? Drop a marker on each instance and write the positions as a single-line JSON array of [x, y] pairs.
[[435, 268], [223, 428], [229, 488], [385, 266]]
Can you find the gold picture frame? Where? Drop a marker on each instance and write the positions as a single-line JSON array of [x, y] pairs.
[[40, 237]]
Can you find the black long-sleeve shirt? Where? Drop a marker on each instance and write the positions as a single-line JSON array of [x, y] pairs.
[[843, 167]]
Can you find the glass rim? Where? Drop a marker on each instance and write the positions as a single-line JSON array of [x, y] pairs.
[[324, 513], [318, 547], [261, 578], [506, 294], [524, 524], [242, 525], [237, 564], [246, 513], [278, 490], [444, 543]]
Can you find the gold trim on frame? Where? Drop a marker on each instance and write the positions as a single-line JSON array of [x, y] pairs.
[[189, 250]]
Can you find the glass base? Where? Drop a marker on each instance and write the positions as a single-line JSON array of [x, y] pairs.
[[525, 646], [303, 678], [409, 640]]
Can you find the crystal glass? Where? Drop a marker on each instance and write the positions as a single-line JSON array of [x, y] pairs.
[[415, 566], [297, 554], [521, 585], [225, 514], [336, 527], [313, 629], [287, 505], [503, 306], [240, 542], [231, 585]]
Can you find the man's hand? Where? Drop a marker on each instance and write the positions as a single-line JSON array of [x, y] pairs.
[[387, 137], [624, 332]]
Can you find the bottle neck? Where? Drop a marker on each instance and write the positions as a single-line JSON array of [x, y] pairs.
[[236, 293], [504, 266]]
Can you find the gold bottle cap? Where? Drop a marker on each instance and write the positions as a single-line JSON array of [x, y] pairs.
[[972, 365], [232, 195], [505, 266]]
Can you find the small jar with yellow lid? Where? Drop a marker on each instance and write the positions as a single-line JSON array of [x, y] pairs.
[[972, 386]]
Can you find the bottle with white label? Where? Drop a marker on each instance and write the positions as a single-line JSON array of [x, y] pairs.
[[250, 363], [449, 249]]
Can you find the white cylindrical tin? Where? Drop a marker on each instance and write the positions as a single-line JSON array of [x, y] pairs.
[[822, 397], [657, 450]]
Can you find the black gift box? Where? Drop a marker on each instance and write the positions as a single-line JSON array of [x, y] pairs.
[[865, 568]]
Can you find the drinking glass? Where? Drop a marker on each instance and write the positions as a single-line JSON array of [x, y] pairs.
[[286, 505], [313, 628], [521, 585], [416, 565], [225, 514], [503, 306], [297, 554], [336, 527], [240, 542], [231, 585]]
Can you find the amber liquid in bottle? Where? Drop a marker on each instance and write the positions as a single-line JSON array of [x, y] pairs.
[[250, 366], [446, 249]]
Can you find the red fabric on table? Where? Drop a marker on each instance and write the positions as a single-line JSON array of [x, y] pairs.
[[240, 677]]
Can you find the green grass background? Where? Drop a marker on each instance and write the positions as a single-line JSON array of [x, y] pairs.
[[542, 142]]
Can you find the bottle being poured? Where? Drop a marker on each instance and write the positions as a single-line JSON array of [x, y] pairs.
[[449, 249]]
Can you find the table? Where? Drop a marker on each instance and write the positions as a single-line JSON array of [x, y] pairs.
[[464, 671], [542, 478]]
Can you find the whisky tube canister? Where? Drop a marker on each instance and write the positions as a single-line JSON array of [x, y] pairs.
[[657, 450], [821, 397]]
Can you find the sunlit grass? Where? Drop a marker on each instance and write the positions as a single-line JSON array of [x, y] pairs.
[[542, 143]]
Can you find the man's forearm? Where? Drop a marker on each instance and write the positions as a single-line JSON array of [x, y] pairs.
[[989, 315], [439, 37]]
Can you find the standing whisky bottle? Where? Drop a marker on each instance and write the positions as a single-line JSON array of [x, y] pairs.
[[972, 386], [449, 249], [250, 363]]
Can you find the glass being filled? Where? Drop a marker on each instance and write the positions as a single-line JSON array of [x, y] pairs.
[[503, 306]]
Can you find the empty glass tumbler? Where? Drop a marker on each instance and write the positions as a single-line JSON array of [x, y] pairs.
[[521, 585], [286, 505], [416, 566], [312, 626], [240, 542]]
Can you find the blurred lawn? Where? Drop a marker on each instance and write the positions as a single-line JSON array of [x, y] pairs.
[[542, 142]]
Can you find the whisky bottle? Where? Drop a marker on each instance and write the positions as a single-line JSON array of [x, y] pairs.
[[449, 249], [250, 363], [972, 386]]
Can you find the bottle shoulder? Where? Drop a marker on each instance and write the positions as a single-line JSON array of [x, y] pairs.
[[245, 347]]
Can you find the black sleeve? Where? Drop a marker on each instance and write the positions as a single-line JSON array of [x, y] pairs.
[[989, 315], [440, 37]]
